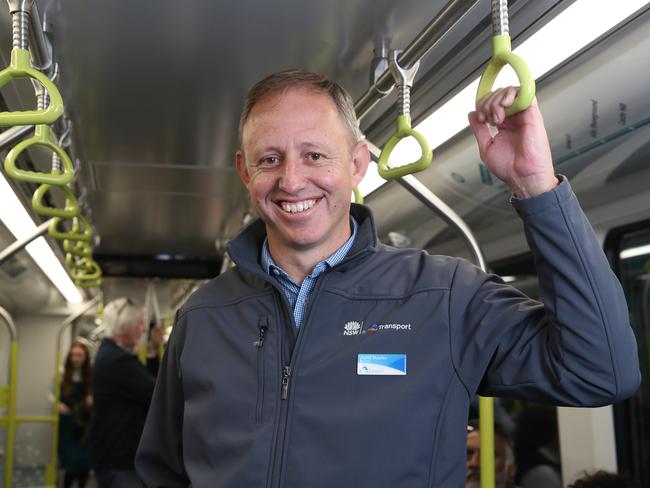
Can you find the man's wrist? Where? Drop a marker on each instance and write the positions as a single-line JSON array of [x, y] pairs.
[[526, 188]]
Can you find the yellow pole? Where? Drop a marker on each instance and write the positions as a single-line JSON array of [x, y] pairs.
[[11, 414], [50, 470], [486, 429]]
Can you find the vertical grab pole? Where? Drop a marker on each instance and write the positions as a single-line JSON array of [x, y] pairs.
[[11, 406]]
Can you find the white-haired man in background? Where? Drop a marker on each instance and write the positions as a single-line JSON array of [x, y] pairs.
[[122, 389]]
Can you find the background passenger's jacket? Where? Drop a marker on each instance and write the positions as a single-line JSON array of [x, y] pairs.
[[219, 420]]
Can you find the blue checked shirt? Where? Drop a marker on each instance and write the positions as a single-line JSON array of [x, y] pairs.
[[298, 295]]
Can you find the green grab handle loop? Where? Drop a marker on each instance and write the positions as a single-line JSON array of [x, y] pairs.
[[79, 248], [20, 67], [70, 210], [86, 269], [403, 131], [502, 55], [41, 137], [75, 234], [358, 197], [77, 263], [89, 284]]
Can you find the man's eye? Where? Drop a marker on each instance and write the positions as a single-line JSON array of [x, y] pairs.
[[314, 156], [268, 161]]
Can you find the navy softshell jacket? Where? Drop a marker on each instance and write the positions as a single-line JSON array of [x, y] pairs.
[[243, 401]]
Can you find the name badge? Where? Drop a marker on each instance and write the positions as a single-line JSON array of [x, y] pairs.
[[381, 364]]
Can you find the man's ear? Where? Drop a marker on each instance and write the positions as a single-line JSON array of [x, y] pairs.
[[360, 162], [242, 169]]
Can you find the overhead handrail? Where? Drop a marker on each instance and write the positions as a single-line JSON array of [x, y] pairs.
[[80, 229], [20, 67], [449, 16], [503, 55], [404, 81], [13, 248], [42, 137], [486, 405], [9, 397]]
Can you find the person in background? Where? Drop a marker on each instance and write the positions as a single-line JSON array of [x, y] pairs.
[[122, 389], [74, 416], [603, 479], [538, 448], [504, 457]]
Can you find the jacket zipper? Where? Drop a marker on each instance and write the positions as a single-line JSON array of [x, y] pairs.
[[259, 343], [287, 371]]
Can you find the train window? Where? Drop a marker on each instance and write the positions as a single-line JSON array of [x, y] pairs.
[[629, 251]]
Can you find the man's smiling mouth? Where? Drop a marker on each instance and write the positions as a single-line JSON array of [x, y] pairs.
[[297, 207]]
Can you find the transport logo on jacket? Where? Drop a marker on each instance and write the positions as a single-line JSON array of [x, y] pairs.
[[355, 328]]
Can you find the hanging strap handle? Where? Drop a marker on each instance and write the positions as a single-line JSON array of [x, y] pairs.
[[70, 210], [502, 55], [41, 138], [404, 80], [358, 197], [85, 270], [20, 67], [77, 248], [80, 229]]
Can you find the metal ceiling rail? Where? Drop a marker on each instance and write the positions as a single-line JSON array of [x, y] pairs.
[[16, 246], [438, 28], [14, 134]]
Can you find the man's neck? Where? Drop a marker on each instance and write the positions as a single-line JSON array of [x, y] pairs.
[[300, 262], [123, 343]]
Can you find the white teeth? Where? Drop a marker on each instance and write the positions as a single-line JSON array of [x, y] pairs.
[[298, 207]]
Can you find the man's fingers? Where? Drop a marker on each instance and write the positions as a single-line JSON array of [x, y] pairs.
[[481, 132]]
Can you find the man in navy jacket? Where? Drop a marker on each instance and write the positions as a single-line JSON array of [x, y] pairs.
[[327, 359]]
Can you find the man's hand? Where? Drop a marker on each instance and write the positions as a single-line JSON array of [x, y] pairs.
[[519, 154]]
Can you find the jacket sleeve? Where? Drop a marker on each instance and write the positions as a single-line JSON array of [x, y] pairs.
[[577, 347], [159, 459]]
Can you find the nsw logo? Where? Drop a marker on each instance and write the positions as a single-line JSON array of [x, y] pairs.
[[352, 328]]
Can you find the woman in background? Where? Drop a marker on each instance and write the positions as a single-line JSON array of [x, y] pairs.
[[74, 416]]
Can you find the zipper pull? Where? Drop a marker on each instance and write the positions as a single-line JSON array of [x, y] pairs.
[[260, 340], [286, 373]]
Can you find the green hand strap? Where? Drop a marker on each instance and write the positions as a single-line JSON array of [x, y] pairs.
[[85, 269], [403, 131], [358, 197], [80, 229], [41, 137], [77, 248], [70, 210], [502, 55], [89, 284], [20, 67]]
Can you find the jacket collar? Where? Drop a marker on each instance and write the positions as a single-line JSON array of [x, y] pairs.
[[245, 248]]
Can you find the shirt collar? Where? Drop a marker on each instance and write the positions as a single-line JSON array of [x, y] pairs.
[[268, 264]]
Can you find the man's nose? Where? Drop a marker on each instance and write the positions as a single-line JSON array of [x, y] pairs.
[[293, 175]]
